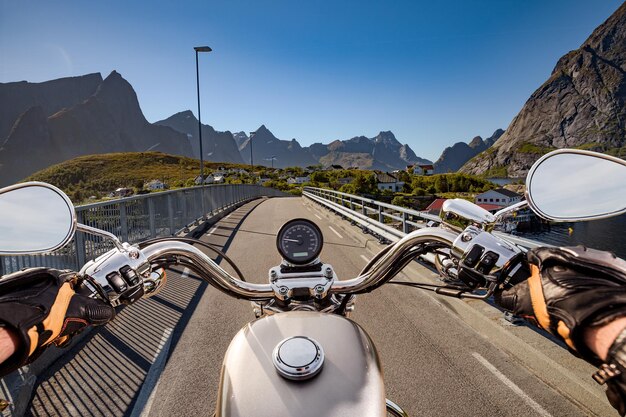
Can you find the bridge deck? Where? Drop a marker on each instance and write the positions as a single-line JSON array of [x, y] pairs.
[[435, 364]]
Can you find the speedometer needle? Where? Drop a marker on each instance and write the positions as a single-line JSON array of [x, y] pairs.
[[291, 240]]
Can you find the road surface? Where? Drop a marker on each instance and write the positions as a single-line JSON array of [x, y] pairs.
[[162, 356]]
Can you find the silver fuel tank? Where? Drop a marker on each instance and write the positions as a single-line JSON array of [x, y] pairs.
[[350, 382]]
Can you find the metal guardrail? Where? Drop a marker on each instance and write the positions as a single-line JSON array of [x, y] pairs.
[[386, 220], [137, 218]]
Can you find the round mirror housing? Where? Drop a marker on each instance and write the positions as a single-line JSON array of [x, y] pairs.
[[570, 185], [35, 217]]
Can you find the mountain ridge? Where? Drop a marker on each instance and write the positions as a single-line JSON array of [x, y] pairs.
[[52, 96], [96, 115], [216, 146], [581, 105], [108, 120], [453, 157]]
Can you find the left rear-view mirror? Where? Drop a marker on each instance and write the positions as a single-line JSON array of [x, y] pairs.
[[35, 217]]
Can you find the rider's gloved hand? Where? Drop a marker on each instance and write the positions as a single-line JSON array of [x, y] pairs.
[[572, 290], [40, 307]]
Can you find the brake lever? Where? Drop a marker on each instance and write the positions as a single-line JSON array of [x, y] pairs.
[[450, 291], [459, 293]]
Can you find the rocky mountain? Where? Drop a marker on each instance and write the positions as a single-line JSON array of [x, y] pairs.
[[51, 96], [453, 157], [108, 120], [216, 146], [382, 152], [54, 121], [582, 105], [265, 145]]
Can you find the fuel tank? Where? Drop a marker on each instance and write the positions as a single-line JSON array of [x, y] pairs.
[[350, 382]]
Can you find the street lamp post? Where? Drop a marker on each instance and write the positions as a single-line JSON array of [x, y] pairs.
[[200, 49], [271, 158], [251, 160]]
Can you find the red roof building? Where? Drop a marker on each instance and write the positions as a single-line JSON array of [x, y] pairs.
[[490, 207], [435, 206]]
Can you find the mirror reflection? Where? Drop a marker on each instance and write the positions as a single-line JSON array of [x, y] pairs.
[[34, 219], [576, 186]]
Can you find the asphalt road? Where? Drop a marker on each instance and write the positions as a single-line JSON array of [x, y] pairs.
[[435, 364]]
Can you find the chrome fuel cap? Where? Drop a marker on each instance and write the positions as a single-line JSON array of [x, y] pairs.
[[298, 358]]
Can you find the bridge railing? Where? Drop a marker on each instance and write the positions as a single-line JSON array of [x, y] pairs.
[[137, 218], [386, 220]]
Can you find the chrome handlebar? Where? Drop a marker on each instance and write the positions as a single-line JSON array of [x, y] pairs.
[[382, 271], [191, 257]]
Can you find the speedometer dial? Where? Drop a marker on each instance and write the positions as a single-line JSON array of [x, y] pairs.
[[299, 241]]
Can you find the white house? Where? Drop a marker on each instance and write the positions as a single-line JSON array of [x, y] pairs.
[[263, 180], [217, 178], [386, 181], [298, 180], [155, 185], [210, 179], [427, 169], [499, 197]]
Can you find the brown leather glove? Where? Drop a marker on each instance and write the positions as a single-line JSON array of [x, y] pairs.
[[569, 290], [42, 308]]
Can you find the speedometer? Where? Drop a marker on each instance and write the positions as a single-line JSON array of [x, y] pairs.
[[299, 241]]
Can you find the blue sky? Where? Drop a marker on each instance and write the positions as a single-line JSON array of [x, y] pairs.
[[432, 72]]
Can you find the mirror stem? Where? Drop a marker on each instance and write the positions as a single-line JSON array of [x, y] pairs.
[[101, 233], [514, 207]]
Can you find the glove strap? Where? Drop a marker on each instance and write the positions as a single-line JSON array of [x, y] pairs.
[[615, 361], [613, 374]]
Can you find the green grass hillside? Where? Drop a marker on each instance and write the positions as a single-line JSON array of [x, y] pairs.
[[98, 175]]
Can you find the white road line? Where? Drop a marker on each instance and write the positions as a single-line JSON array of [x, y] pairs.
[[334, 231], [532, 403], [166, 335], [148, 391], [317, 216], [365, 258], [212, 230]]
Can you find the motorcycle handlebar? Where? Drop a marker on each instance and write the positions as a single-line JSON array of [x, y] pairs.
[[171, 251], [387, 266], [175, 252]]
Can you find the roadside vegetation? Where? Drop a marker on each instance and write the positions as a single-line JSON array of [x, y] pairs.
[[417, 192], [96, 177]]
